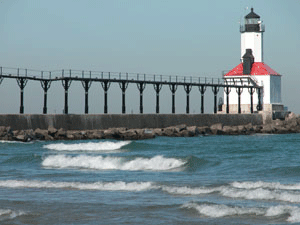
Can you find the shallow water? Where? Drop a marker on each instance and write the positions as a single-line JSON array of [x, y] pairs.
[[200, 180]]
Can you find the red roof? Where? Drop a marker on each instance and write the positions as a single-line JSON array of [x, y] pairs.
[[258, 68]]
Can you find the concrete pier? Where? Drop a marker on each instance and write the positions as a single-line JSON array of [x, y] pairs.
[[130, 121]]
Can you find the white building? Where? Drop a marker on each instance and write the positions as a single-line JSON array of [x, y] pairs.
[[252, 71]]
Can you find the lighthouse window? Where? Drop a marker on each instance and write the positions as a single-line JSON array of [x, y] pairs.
[[252, 21]]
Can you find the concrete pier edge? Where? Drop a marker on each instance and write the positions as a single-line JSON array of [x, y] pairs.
[[130, 121]]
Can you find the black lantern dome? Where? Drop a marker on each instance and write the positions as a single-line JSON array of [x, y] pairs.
[[252, 23], [252, 15]]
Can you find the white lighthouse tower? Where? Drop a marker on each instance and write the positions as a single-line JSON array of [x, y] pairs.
[[252, 71], [252, 36]]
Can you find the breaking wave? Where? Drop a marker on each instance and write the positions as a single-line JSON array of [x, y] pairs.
[[287, 212], [291, 213], [90, 146], [100, 186], [157, 163], [245, 190], [188, 190], [14, 142], [262, 184], [216, 211], [10, 214]]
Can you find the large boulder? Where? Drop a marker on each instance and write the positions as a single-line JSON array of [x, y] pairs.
[[268, 129], [2, 131], [157, 132], [61, 134], [52, 131], [21, 137], [217, 129], [41, 134], [114, 133], [204, 130], [192, 131], [169, 131], [129, 135], [95, 134], [230, 130], [291, 116], [181, 127]]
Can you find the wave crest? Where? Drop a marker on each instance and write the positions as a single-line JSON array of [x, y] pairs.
[[101, 186], [217, 211], [8, 213], [246, 190], [157, 163], [90, 146], [262, 184]]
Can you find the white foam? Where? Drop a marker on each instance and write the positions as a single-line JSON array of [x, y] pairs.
[[157, 163], [233, 192], [188, 190], [261, 194], [100, 186], [5, 211], [10, 213], [11, 142], [262, 184], [216, 211], [90, 146]]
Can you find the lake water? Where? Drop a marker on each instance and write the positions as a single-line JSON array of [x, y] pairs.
[[199, 180]]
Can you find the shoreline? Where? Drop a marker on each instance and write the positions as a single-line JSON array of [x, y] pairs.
[[291, 124]]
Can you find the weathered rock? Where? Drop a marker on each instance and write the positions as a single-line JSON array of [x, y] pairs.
[[249, 127], [21, 137], [292, 124], [267, 129], [242, 129], [17, 132], [157, 132], [71, 137], [217, 129], [298, 120], [61, 134], [192, 131], [75, 135], [169, 131], [181, 127], [52, 131], [280, 130], [204, 130], [113, 133], [9, 131], [279, 122], [229, 130], [139, 132], [291, 116], [147, 136], [184, 133], [95, 135], [2, 131], [40, 134], [148, 131], [129, 135]]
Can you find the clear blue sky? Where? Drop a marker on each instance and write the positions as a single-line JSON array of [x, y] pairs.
[[191, 37]]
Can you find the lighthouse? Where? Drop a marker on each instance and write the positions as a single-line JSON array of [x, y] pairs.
[[252, 36], [265, 95]]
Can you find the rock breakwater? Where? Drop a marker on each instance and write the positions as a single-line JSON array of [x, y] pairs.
[[291, 124]]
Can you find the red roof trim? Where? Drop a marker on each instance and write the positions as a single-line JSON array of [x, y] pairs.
[[258, 68]]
